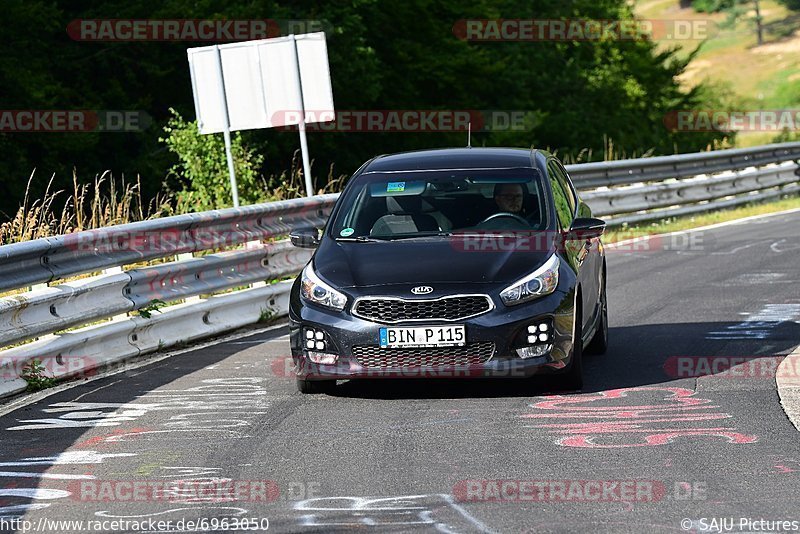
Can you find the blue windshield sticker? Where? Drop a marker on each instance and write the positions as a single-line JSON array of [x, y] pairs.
[[346, 232], [395, 187]]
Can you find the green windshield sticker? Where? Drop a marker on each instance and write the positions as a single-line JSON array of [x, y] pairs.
[[395, 187], [346, 232]]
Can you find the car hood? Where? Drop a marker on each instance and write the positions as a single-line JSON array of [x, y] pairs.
[[440, 260]]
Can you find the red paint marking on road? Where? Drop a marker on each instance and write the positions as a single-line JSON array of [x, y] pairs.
[[680, 405], [93, 442]]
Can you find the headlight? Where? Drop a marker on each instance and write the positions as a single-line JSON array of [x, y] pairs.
[[315, 290], [541, 282]]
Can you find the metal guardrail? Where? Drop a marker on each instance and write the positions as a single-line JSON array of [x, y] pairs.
[[619, 191], [626, 171]]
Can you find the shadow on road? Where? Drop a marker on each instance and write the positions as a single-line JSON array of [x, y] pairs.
[[637, 356]]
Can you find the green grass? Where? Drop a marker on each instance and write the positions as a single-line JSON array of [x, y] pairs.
[[758, 77], [676, 224]]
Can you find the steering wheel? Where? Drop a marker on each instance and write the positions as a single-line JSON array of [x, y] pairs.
[[505, 214]]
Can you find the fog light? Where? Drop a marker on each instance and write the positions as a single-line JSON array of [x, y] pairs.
[[539, 334], [323, 358], [538, 327], [315, 339], [533, 352]]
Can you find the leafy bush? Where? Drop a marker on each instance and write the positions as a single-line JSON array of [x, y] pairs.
[[711, 6], [202, 168], [34, 374]]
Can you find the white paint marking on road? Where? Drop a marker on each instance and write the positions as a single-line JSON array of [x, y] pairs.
[[235, 510], [190, 471], [753, 279], [778, 249], [95, 390], [737, 249], [402, 511], [34, 493], [759, 325], [51, 476], [477, 524], [67, 458], [19, 510], [148, 360]]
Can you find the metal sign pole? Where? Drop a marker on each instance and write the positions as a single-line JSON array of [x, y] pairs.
[[227, 132], [302, 125]]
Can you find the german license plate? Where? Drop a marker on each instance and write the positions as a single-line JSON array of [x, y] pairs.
[[423, 336]]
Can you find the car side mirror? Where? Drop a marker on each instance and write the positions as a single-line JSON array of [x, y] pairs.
[[587, 228], [305, 237]]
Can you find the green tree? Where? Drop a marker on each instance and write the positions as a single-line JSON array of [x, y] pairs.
[[202, 168], [738, 10], [791, 4], [383, 56]]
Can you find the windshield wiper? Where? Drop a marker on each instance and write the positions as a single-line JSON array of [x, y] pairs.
[[419, 236]]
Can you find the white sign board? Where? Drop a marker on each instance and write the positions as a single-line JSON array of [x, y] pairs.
[[260, 83]]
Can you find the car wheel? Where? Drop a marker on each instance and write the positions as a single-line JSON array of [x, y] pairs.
[[572, 379], [599, 342], [315, 386]]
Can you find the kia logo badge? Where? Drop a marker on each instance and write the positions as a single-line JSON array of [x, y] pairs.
[[422, 290]]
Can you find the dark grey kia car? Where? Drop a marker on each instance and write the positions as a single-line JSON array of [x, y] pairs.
[[451, 263]]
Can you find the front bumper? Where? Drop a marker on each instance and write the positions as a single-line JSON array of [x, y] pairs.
[[505, 327]]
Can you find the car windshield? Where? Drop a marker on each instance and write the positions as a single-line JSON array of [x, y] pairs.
[[389, 206]]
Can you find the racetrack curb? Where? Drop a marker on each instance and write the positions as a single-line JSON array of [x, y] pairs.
[[789, 386]]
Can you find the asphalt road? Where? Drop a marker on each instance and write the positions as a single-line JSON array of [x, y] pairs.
[[220, 433]]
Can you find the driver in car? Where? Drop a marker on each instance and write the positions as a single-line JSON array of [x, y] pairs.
[[509, 197], [510, 202]]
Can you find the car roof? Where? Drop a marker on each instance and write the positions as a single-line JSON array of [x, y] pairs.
[[454, 158]]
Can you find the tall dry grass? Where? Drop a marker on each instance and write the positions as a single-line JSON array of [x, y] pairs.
[[103, 202], [106, 202]]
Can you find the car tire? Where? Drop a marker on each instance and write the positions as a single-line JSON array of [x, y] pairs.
[[313, 387], [572, 379], [599, 342]]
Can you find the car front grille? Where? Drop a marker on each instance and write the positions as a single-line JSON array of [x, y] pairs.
[[373, 356], [395, 310]]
